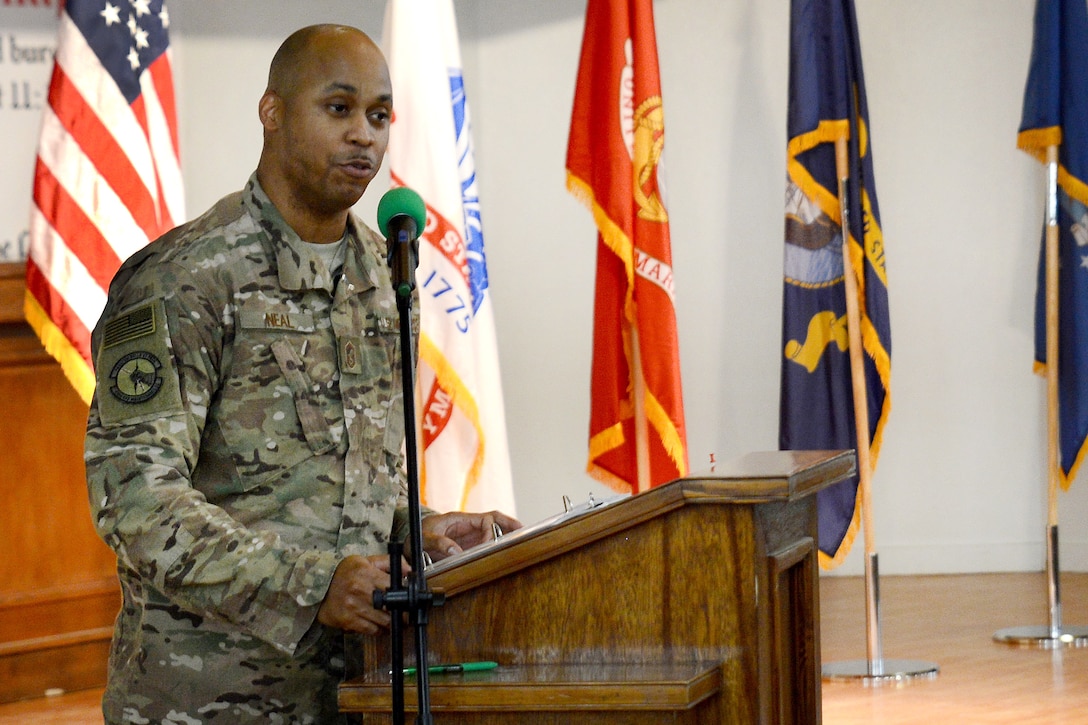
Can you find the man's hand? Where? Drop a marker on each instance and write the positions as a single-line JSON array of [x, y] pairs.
[[448, 534], [349, 603]]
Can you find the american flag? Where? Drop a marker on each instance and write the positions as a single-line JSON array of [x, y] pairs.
[[107, 179]]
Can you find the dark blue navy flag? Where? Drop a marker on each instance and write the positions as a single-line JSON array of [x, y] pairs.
[[1056, 114], [827, 104]]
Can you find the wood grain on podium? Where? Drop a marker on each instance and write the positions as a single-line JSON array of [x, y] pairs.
[[712, 578]]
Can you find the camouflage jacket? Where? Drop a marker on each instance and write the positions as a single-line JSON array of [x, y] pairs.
[[245, 436]]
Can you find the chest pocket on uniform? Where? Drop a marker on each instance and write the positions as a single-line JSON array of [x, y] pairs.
[[372, 386], [274, 412], [310, 415]]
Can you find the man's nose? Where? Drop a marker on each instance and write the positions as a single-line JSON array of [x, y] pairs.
[[360, 131]]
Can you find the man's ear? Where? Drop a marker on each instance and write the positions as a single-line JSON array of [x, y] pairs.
[[270, 110]]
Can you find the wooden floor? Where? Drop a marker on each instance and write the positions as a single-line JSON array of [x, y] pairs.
[[945, 620], [950, 621]]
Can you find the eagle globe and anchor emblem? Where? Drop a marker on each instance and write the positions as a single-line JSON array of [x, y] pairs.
[[643, 131], [136, 377]]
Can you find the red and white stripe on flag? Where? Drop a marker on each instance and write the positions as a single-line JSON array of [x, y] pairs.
[[614, 155], [465, 461], [107, 178]]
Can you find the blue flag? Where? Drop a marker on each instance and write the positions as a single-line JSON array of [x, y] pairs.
[[827, 104], [1056, 114]]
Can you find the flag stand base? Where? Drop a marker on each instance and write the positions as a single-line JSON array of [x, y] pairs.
[[1053, 635], [875, 670], [880, 672], [1043, 637]]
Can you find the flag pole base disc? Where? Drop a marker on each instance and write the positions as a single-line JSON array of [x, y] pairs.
[[880, 672], [1043, 637]]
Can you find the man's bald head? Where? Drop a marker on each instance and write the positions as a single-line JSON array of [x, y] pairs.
[[304, 47]]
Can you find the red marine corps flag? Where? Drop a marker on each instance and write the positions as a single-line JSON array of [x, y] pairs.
[[617, 137], [107, 179]]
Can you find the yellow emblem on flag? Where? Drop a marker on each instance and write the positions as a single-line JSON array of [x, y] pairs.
[[649, 144], [824, 328]]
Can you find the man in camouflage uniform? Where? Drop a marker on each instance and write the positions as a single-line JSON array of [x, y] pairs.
[[244, 445]]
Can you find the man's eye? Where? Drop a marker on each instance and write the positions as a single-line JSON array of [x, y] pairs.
[[338, 108]]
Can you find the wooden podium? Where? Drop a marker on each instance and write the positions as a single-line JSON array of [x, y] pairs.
[[694, 602]]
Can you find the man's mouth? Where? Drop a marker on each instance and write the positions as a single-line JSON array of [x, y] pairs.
[[359, 168]]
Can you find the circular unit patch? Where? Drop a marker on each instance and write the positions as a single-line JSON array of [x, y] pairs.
[[136, 377]]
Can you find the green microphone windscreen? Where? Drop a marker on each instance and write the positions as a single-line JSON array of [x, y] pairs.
[[401, 201]]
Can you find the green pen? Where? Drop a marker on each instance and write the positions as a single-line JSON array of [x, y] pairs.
[[463, 667]]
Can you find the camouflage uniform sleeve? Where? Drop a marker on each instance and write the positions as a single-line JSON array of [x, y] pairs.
[[157, 356], [401, 519]]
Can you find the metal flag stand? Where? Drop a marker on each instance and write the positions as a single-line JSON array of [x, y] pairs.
[[875, 669], [1054, 634]]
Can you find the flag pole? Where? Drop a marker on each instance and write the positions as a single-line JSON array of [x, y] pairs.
[[642, 432], [1052, 634], [875, 668], [874, 646], [1052, 340]]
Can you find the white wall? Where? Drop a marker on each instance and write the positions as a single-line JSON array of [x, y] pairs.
[[960, 485]]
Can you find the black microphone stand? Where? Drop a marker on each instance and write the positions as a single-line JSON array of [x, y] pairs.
[[411, 596]]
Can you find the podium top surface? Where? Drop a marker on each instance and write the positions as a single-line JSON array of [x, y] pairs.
[[752, 479], [771, 475]]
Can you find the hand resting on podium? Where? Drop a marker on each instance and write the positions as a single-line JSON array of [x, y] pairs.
[[447, 534], [349, 603]]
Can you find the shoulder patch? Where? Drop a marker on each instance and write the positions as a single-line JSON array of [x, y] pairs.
[[136, 375], [124, 328]]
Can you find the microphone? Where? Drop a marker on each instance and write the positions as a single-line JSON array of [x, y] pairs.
[[402, 216]]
